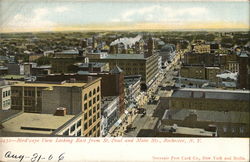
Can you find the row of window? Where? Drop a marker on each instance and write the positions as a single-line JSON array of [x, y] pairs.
[[90, 103], [129, 64], [90, 122], [6, 93], [6, 103], [233, 130], [90, 93], [73, 128]]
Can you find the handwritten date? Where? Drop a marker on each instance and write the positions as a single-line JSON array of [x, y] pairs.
[[36, 157]]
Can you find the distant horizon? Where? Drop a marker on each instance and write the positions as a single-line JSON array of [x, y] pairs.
[[136, 30], [51, 16]]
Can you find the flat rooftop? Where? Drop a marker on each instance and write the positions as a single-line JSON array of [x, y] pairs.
[[212, 94], [36, 123], [49, 84], [186, 131], [125, 57], [6, 114], [209, 116], [94, 64]]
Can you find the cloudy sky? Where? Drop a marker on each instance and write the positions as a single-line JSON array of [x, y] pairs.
[[57, 15]]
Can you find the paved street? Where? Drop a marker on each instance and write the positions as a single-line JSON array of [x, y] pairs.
[[155, 111]]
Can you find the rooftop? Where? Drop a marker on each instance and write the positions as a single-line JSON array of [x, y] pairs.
[[107, 100], [212, 94], [209, 116], [36, 123], [73, 52], [6, 114], [52, 84], [186, 131], [125, 57], [94, 64]]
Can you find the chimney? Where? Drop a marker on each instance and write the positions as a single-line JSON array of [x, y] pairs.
[[90, 78], [60, 111]]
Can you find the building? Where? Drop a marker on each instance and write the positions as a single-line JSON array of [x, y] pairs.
[[200, 48], [168, 53], [211, 73], [33, 124], [3, 70], [244, 71], [78, 97], [210, 99], [135, 64], [200, 72], [196, 72], [180, 131], [41, 70], [15, 69], [44, 97], [132, 89], [65, 64], [91, 67], [226, 124], [5, 98], [110, 113], [112, 83]]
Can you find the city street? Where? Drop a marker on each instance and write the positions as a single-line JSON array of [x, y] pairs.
[[150, 120]]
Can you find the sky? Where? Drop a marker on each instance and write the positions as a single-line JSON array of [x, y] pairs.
[[60, 15]]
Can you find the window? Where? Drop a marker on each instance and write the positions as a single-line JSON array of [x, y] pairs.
[[90, 122], [94, 100], [94, 128], [98, 97], [85, 97], [85, 106], [94, 109], [79, 133], [98, 115], [90, 113], [90, 94], [94, 119], [98, 89], [94, 92], [72, 129], [90, 103], [98, 106], [90, 132], [86, 126], [224, 129], [85, 116], [66, 133], [79, 123], [241, 130]]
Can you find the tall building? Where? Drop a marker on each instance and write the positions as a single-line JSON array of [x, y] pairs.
[[77, 97], [244, 71], [134, 64], [5, 98], [112, 83]]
